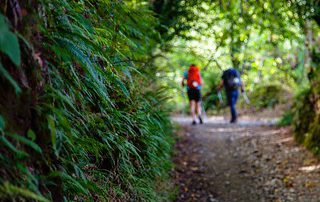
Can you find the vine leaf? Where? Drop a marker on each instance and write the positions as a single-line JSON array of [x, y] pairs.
[[9, 43], [2, 123]]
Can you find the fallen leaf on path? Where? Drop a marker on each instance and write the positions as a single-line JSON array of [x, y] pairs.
[[310, 184], [287, 181], [194, 168]]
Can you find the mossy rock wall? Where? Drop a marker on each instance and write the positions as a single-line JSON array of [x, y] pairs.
[[306, 120]]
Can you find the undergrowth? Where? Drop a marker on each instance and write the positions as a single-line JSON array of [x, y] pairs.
[[306, 120], [269, 95], [82, 115]]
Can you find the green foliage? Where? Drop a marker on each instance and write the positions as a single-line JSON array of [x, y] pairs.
[[274, 44], [99, 129], [303, 112], [262, 39], [286, 119], [9, 45], [27, 142], [2, 123], [86, 114], [12, 191], [306, 121], [9, 42], [269, 95]]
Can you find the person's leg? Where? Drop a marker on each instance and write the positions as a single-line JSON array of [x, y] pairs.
[[233, 113], [233, 102], [229, 99], [193, 110], [198, 105], [199, 110], [192, 105]]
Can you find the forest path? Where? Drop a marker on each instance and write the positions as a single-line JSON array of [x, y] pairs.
[[252, 160]]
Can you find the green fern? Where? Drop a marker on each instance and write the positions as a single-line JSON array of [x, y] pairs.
[[102, 130]]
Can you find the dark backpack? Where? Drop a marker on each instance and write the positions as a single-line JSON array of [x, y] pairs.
[[231, 79]]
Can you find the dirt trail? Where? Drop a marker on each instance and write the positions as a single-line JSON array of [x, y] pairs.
[[249, 161]]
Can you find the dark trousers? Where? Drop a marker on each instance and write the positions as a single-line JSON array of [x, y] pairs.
[[232, 97]]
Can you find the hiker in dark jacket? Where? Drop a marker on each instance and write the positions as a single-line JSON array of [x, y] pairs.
[[231, 81]]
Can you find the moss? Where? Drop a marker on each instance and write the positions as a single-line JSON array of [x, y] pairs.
[[306, 121], [303, 110], [313, 142]]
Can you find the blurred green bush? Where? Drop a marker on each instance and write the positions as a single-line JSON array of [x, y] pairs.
[[306, 120], [269, 95]]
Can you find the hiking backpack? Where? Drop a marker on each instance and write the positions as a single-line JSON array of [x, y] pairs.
[[194, 79], [232, 80]]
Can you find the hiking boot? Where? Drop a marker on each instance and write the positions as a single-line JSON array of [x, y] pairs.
[[233, 121], [194, 122], [200, 120]]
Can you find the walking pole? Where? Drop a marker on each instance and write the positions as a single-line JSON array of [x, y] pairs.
[[184, 101], [203, 110], [220, 97], [245, 97], [221, 102]]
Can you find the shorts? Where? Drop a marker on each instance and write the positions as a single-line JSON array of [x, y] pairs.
[[194, 94]]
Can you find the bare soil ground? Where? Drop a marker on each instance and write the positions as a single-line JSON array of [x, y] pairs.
[[249, 161]]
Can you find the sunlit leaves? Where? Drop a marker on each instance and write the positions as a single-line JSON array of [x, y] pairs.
[[31, 135]]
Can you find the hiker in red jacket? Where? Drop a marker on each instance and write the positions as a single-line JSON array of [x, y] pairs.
[[194, 83]]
